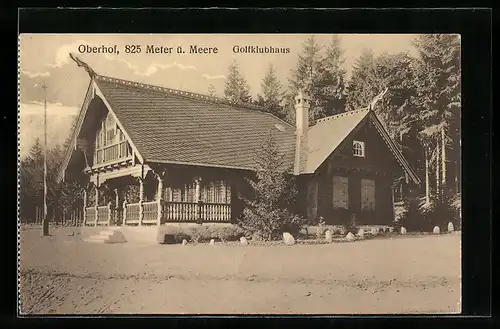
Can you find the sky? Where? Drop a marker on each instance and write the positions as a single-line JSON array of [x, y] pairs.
[[44, 58]]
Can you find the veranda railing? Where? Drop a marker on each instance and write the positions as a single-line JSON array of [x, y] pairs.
[[100, 215], [158, 212]]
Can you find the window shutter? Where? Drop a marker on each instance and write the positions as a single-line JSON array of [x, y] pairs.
[[340, 192], [368, 194]]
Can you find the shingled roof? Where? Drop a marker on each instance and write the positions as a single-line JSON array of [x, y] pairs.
[[328, 133], [172, 126]]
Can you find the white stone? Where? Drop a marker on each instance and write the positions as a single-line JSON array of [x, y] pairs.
[[243, 241], [349, 236], [361, 233], [374, 231], [288, 239], [450, 227], [212, 242], [403, 230], [328, 236], [184, 242], [435, 230]]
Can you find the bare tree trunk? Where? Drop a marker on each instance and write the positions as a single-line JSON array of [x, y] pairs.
[[437, 170], [443, 156], [427, 189]]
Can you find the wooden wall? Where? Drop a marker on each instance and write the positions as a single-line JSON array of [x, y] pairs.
[[378, 164]]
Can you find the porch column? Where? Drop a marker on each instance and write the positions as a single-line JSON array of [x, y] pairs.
[[110, 213], [159, 197], [96, 204], [84, 206], [141, 198], [117, 198], [117, 205], [124, 213], [197, 199]]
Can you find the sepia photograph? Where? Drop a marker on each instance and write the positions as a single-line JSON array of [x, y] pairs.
[[239, 174]]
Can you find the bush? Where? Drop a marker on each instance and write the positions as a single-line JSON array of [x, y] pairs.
[[411, 217], [200, 234], [350, 226], [419, 216], [321, 228], [440, 211], [264, 224]]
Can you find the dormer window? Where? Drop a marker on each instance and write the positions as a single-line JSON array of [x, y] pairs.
[[358, 149]]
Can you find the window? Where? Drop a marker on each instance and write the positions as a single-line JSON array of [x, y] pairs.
[[358, 148], [211, 192], [367, 194], [340, 192], [184, 193], [216, 192], [110, 128]]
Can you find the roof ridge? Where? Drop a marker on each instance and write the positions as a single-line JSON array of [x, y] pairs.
[[343, 114], [179, 92]]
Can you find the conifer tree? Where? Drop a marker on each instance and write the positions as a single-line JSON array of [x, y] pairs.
[[364, 84], [308, 75], [439, 103], [237, 89], [272, 94], [211, 90], [267, 214], [334, 79]]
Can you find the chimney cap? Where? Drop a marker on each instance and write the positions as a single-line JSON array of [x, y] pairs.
[[302, 94]]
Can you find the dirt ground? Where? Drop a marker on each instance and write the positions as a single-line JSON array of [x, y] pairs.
[[62, 274]]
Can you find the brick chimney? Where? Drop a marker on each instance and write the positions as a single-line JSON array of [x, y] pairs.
[[302, 105]]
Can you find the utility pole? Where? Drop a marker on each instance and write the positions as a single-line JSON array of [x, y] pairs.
[[45, 222]]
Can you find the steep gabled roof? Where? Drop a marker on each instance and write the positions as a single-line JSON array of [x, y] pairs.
[[328, 133], [172, 126]]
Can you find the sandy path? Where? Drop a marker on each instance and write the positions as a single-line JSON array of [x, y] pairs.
[[407, 275]]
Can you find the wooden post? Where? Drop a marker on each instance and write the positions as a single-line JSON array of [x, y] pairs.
[[141, 198], [443, 156], [117, 205], [84, 206], [96, 204], [110, 213], [427, 185], [124, 212], [438, 188], [198, 200], [159, 196]]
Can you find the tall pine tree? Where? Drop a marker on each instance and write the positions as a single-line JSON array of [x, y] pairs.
[[439, 104], [334, 79], [308, 75], [364, 84], [272, 94], [237, 89]]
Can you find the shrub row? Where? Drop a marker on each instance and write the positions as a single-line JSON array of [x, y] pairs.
[[200, 234], [421, 217]]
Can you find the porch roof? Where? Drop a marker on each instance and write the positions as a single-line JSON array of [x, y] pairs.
[[173, 126]]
